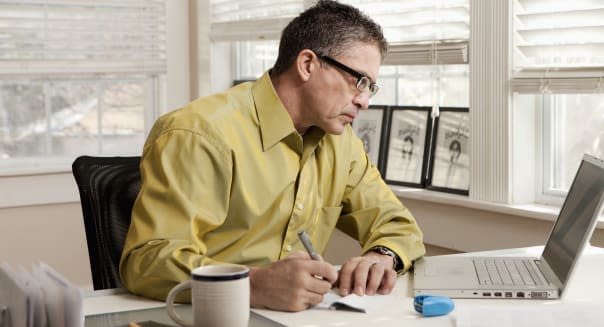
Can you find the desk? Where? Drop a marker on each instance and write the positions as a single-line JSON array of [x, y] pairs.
[[118, 309]]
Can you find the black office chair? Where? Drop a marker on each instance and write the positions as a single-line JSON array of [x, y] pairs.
[[108, 187]]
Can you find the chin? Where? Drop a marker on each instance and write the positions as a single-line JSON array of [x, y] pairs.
[[335, 130]]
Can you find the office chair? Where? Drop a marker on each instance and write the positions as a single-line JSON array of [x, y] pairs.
[[108, 187]]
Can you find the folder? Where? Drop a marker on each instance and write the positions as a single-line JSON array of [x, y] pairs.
[[43, 298], [14, 298]]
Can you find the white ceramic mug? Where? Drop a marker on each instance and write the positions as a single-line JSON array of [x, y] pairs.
[[220, 296]]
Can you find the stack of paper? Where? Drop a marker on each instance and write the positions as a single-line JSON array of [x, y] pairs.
[[42, 298]]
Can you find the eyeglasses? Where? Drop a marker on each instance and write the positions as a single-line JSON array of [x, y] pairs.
[[363, 82]]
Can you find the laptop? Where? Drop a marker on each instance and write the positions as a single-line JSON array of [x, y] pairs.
[[524, 277]]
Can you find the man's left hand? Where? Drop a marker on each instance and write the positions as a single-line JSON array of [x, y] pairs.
[[369, 274]]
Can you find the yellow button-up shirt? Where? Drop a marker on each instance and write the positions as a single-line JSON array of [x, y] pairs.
[[228, 179]]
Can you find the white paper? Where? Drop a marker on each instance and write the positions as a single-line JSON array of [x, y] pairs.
[[353, 302]]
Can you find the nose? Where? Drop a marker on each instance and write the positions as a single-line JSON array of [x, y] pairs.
[[361, 100]]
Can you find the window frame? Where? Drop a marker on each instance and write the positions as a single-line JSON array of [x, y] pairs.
[[549, 85], [48, 162], [55, 184]]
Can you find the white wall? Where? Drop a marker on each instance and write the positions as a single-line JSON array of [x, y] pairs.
[[464, 229], [50, 233]]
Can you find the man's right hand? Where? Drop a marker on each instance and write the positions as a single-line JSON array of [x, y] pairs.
[[291, 284]]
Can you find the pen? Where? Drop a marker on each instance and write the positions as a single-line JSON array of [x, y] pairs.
[[308, 245]]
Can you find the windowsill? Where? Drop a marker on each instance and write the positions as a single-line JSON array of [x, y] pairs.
[[29, 187], [534, 211], [35, 166]]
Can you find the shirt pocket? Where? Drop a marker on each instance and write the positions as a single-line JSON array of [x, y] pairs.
[[325, 220]]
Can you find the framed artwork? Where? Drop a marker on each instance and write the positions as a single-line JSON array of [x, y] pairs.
[[450, 160], [408, 139], [369, 127]]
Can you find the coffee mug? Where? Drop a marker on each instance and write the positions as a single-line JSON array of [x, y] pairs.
[[220, 296]]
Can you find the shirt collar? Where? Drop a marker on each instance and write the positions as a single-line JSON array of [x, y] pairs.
[[275, 122]]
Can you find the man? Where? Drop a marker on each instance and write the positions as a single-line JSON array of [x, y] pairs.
[[233, 177]]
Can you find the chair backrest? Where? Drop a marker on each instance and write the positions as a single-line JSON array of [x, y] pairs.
[[108, 187]]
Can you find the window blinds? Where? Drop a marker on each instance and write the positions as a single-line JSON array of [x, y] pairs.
[[251, 20], [420, 32], [81, 36], [558, 46]]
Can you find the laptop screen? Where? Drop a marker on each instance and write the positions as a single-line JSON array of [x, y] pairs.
[[577, 218]]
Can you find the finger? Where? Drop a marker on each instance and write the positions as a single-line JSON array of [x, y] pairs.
[[374, 279], [324, 270], [314, 298], [298, 255], [360, 275], [388, 282], [304, 300], [345, 283]]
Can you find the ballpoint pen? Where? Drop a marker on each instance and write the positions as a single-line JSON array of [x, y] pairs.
[[308, 245]]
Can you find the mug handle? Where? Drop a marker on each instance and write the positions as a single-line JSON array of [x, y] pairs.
[[170, 303]]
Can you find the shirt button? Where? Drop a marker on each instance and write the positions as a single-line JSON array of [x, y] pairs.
[[300, 206], [288, 248]]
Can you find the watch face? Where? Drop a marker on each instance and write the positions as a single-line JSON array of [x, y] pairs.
[[385, 251], [390, 253]]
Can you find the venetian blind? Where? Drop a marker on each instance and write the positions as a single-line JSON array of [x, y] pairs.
[[558, 46], [81, 36], [420, 32], [251, 20]]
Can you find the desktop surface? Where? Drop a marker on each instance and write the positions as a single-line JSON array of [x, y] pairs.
[[580, 303], [158, 317]]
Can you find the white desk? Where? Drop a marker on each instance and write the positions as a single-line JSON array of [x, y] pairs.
[[581, 292]]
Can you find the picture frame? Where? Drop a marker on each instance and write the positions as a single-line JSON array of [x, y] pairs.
[[369, 126], [449, 169], [408, 143]]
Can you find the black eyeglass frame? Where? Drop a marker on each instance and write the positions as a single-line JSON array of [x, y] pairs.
[[372, 87]]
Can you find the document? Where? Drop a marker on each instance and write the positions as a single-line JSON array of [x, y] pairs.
[[353, 302], [351, 310]]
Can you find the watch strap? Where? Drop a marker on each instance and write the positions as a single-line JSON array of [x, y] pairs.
[[397, 262]]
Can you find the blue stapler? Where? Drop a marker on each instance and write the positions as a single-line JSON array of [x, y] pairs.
[[433, 305]]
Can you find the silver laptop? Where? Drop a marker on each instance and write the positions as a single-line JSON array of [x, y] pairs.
[[524, 277]]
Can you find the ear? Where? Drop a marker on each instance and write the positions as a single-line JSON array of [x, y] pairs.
[[306, 64]]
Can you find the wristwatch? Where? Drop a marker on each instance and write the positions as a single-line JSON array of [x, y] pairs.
[[398, 264]]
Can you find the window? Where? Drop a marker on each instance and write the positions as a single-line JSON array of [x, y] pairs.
[[77, 78], [557, 74], [426, 64], [423, 85], [528, 86]]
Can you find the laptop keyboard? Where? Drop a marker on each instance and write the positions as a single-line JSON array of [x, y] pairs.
[[506, 271]]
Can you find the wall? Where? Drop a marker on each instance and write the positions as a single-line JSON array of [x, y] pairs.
[[53, 234], [452, 228], [466, 229]]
